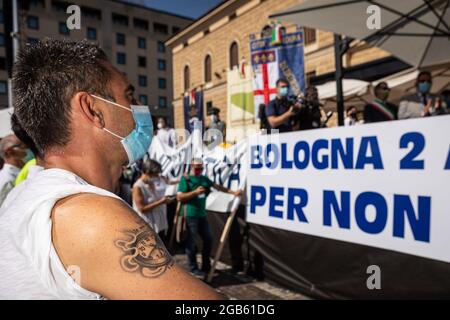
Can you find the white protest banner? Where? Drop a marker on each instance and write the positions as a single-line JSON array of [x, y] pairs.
[[224, 166], [384, 185]]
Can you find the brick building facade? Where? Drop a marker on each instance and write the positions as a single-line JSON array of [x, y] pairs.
[[231, 22]]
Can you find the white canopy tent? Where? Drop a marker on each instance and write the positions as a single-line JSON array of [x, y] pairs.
[[356, 92], [416, 31], [403, 83]]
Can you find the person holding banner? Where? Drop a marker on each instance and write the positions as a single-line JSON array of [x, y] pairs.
[[193, 190]]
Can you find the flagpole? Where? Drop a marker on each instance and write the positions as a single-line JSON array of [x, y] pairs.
[[223, 238]]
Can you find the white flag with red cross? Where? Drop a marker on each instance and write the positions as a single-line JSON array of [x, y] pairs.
[[266, 74]]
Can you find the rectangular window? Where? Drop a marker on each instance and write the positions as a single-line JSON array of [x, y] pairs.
[[32, 40], [59, 6], [33, 22], [142, 62], [209, 106], [2, 39], [120, 39], [310, 35], [161, 47], [142, 43], [162, 102], [63, 28], [161, 64], [91, 33], [2, 63], [140, 24], [309, 76], [3, 87], [162, 84], [175, 29], [160, 28], [143, 99], [121, 58], [37, 3], [91, 13], [119, 19], [142, 81]]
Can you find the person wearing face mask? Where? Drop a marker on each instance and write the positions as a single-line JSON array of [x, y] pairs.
[[216, 131], [67, 235], [193, 189], [166, 134], [380, 109], [421, 104], [278, 111], [149, 199], [14, 154]]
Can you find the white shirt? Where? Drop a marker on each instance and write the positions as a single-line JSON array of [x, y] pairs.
[[167, 136], [32, 171], [157, 217], [30, 267], [7, 177]]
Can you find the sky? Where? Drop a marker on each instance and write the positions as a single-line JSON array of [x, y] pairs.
[[189, 8]]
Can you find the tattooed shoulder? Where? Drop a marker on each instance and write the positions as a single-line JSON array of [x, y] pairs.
[[144, 252]]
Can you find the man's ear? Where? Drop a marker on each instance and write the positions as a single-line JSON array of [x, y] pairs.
[[89, 109]]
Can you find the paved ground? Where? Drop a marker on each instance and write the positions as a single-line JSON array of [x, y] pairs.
[[240, 286]]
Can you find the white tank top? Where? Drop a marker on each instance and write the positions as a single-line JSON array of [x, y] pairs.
[[29, 265], [157, 217]]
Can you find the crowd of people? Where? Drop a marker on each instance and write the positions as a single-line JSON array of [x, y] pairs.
[[423, 103], [287, 113], [86, 129]]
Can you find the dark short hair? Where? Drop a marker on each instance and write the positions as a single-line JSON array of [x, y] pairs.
[[282, 80], [22, 134], [46, 76], [378, 86], [151, 167], [424, 73]]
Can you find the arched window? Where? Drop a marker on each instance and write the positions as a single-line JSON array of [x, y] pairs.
[[234, 55], [266, 31], [208, 69], [187, 79]]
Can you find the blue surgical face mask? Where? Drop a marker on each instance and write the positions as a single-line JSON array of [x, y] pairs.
[[136, 144], [424, 87], [28, 156], [283, 91]]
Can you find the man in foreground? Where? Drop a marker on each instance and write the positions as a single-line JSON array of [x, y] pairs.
[[65, 235]]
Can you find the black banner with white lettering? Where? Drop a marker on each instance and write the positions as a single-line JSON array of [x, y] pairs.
[[329, 269]]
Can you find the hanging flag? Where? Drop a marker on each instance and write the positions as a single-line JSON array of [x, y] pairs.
[[240, 96], [193, 92], [242, 68], [186, 108], [277, 34], [271, 62]]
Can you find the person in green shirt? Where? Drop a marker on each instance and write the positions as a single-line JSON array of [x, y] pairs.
[[193, 190]]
